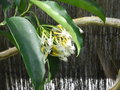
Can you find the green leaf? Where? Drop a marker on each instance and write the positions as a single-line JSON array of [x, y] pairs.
[[54, 64], [22, 6], [4, 33], [89, 5], [5, 5], [27, 41], [32, 20], [7, 35], [60, 15], [17, 2]]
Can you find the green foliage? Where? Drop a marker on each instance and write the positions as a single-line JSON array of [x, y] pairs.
[[32, 20], [28, 44], [89, 5], [54, 65], [7, 35], [22, 6], [60, 15], [25, 32], [5, 5], [17, 2]]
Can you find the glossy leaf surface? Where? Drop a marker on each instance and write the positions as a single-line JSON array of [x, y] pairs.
[[27, 41], [60, 15], [89, 5]]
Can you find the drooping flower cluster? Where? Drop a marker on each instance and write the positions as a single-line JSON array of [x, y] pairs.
[[57, 42]]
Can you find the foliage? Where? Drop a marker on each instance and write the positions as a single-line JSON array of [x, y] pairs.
[[88, 5], [44, 44]]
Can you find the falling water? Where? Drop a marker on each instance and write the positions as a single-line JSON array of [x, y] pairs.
[[82, 73]]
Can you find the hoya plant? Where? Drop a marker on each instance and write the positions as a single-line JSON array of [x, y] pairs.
[[43, 44]]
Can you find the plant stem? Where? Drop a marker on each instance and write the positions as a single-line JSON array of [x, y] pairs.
[[84, 21], [8, 53], [3, 23], [16, 9], [29, 6]]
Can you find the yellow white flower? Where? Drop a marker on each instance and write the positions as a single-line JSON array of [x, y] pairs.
[[57, 42]]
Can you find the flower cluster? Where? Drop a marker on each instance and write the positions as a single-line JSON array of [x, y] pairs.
[[56, 42]]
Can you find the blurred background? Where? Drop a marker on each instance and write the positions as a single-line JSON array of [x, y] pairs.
[[94, 69]]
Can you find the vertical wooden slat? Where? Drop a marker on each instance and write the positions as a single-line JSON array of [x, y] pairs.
[[87, 65]]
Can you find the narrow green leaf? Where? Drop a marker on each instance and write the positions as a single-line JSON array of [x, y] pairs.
[[28, 44], [60, 15], [5, 5], [89, 5], [54, 65], [22, 6]]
